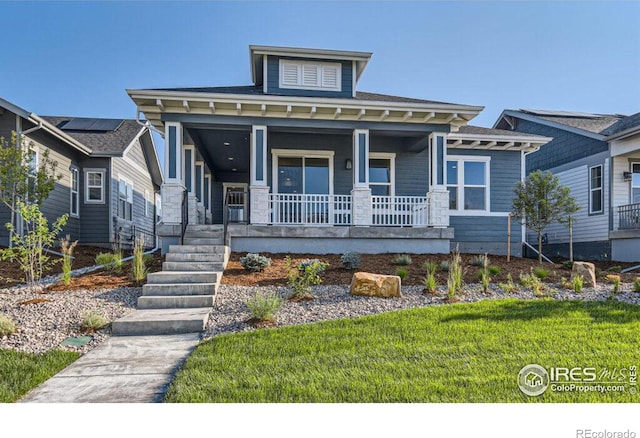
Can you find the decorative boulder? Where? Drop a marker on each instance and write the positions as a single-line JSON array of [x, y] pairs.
[[587, 271], [375, 285]]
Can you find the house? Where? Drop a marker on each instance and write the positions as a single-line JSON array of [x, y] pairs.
[[302, 161], [598, 157], [110, 174]]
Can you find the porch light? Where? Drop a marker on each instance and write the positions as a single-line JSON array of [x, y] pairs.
[[627, 176], [230, 158], [226, 143], [348, 164], [234, 170]]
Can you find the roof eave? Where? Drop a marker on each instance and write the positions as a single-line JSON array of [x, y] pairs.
[[541, 121], [623, 134]]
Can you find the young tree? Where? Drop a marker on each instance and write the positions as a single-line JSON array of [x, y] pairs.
[[540, 201], [21, 179]]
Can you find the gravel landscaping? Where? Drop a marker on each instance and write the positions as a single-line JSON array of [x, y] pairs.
[[333, 302], [43, 326]]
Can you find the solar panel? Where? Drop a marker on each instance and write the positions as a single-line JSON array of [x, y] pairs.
[[561, 113], [89, 124]]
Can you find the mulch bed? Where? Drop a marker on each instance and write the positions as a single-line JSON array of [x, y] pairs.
[[335, 274]]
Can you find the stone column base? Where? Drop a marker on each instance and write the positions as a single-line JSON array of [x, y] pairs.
[[259, 205], [361, 210], [438, 208]]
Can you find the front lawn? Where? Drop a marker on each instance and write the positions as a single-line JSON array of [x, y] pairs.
[[22, 372], [455, 353]]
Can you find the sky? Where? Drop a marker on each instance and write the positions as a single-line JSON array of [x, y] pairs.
[[78, 58]]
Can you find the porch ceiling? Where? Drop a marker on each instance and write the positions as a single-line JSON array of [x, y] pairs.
[[224, 150]]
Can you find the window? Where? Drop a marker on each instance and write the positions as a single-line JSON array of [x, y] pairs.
[[94, 184], [158, 204], [595, 189], [74, 198], [468, 183], [310, 75], [147, 198], [381, 174], [125, 199], [635, 183]]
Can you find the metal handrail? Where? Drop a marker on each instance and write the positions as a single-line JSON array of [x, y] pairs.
[[226, 208], [185, 216]]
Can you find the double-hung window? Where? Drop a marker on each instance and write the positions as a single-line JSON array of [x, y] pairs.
[[74, 197], [94, 186], [595, 190], [125, 199], [381, 174], [635, 183], [468, 183]]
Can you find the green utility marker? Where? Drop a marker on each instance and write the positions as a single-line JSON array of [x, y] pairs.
[[78, 341]]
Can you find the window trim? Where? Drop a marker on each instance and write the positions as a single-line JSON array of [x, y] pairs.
[[591, 190], [129, 182], [461, 211], [631, 186], [391, 156], [300, 82], [73, 169], [299, 153], [102, 173]]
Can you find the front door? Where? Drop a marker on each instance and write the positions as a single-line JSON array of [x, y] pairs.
[[235, 202]]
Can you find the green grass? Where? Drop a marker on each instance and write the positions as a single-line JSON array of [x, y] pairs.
[[21, 372], [454, 353]]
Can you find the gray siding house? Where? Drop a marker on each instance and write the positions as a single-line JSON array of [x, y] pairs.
[[302, 161], [598, 157], [110, 174]]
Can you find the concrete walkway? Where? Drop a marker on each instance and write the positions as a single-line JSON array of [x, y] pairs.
[[126, 369]]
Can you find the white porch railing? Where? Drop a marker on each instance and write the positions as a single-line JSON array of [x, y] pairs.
[[297, 209], [399, 211]]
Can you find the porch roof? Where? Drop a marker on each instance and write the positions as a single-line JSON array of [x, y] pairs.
[[250, 101], [477, 137]]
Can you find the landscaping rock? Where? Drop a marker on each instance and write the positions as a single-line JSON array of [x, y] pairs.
[[375, 285], [587, 271]]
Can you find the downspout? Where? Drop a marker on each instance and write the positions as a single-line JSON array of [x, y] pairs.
[[147, 124]]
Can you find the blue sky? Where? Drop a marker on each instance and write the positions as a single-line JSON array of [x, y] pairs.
[[77, 59]]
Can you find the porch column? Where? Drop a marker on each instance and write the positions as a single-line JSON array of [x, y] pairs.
[[190, 182], [207, 196], [173, 185], [361, 193], [199, 189], [259, 190], [438, 195]]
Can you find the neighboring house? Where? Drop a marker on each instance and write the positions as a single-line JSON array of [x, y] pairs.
[[300, 161], [598, 157], [110, 174]]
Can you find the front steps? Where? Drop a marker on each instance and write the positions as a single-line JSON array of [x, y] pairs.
[[179, 298]]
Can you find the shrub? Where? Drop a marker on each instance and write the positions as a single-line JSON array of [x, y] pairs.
[[445, 265], [67, 248], [29, 247], [430, 282], [615, 269], [7, 326], [402, 273], [494, 270], [92, 321], [265, 307], [138, 265], [541, 273], [565, 284], [615, 280], [478, 260], [567, 264], [255, 262], [532, 282], [484, 275], [636, 285], [402, 259], [509, 286], [301, 277], [454, 280], [577, 283], [350, 260], [112, 261]]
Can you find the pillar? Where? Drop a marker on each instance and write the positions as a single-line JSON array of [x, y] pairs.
[[438, 195], [361, 212], [258, 189]]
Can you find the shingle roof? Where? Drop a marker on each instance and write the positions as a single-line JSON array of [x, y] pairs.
[[101, 142], [255, 90], [478, 130], [629, 122], [595, 123]]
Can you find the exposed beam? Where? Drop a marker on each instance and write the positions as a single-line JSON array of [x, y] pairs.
[[362, 113], [457, 143], [475, 143], [491, 144], [239, 108], [337, 113], [407, 116], [428, 117], [451, 117], [263, 109], [186, 106], [313, 112], [384, 115], [159, 104], [212, 107]]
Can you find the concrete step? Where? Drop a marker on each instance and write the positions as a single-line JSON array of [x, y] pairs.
[[205, 227], [175, 302], [169, 289], [192, 266], [161, 322], [205, 234], [202, 240], [198, 249], [176, 277], [195, 257]]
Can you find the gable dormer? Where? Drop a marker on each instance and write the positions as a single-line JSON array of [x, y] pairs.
[[307, 72]]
